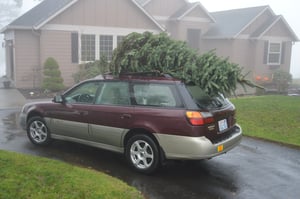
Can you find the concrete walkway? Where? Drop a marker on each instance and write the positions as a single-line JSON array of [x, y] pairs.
[[11, 98]]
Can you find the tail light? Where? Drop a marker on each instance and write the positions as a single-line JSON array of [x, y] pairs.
[[199, 118]]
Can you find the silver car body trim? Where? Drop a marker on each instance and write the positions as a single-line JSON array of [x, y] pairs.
[[89, 143], [68, 128], [183, 147], [175, 147], [109, 138], [108, 135]]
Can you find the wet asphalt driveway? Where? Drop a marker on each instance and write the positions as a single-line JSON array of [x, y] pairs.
[[255, 169]]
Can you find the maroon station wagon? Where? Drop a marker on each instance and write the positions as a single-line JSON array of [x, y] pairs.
[[147, 117]]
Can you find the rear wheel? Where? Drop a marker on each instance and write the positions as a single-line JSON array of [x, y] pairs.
[[37, 131], [142, 154]]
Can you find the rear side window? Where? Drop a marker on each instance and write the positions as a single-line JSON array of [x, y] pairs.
[[160, 95], [203, 100], [114, 93]]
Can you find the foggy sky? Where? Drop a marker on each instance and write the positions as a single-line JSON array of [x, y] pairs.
[[288, 8]]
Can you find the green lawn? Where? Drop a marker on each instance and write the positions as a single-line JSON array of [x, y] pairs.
[[275, 118], [28, 177]]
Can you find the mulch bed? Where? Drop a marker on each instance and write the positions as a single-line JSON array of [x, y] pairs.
[[37, 93]]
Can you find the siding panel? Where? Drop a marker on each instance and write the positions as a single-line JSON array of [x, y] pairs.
[[74, 47], [57, 44], [27, 62], [266, 50], [163, 8], [279, 30], [105, 13], [259, 23]]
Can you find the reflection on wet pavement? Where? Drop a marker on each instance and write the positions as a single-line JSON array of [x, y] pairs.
[[9, 126], [175, 180]]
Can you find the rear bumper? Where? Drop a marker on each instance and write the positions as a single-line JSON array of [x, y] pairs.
[[193, 148]]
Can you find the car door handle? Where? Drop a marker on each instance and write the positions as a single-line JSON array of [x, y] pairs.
[[125, 116], [84, 113]]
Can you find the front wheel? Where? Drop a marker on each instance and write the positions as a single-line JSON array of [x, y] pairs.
[[37, 131], [142, 154]]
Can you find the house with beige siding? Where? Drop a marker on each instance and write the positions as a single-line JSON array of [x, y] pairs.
[[80, 31]]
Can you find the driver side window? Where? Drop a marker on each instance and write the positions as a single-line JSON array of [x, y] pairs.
[[83, 94]]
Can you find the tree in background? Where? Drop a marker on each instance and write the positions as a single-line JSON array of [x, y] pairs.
[[148, 52], [52, 76], [282, 79]]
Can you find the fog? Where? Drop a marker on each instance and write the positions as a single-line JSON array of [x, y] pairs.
[[289, 9]]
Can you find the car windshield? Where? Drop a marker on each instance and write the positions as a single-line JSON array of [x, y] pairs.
[[205, 101]]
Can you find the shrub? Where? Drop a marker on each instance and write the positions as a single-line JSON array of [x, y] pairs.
[[52, 76], [282, 79]]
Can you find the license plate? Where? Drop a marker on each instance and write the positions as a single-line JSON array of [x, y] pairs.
[[223, 125]]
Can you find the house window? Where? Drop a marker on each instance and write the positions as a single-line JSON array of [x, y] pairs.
[[94, 46], [120, 39], [274, 53], [106, 46], [88, 47]]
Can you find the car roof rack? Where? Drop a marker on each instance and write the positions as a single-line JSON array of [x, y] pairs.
[[107, 75], [145, 74]]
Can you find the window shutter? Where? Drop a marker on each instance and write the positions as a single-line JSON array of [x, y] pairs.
[[74, 47], [266, 51], [283, 49]]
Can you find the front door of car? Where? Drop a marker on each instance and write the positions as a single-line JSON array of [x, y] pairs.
[[112, 115], [70, 118]]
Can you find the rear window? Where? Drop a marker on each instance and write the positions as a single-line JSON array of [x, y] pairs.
[[205, 101], [160, 95]]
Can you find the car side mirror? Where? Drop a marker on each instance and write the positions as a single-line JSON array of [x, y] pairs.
[[59, 99]]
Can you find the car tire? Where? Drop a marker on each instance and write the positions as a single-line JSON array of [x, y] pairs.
[[38, 132], [142, 154]]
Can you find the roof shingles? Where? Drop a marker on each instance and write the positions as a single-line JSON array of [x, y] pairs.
[[227, 24], [230, 23], [40, 13]]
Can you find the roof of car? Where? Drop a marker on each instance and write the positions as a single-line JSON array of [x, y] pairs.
[[140, 76]]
